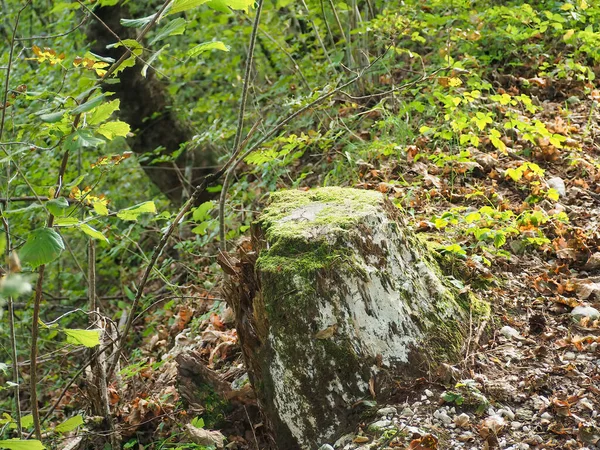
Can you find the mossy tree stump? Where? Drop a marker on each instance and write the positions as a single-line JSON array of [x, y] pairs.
[[333, 296]]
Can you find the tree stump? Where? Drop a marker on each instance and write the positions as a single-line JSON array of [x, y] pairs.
[[332, 296]]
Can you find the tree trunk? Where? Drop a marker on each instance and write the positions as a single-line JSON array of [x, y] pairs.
[[335, 299], [147, 108]]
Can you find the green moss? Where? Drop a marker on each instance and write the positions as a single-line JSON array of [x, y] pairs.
[[336, 208]]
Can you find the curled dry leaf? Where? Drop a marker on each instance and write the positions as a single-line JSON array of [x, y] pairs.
[[492, 425], [427, 442]]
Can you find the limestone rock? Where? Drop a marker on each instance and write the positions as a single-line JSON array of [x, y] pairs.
[[334, 298]]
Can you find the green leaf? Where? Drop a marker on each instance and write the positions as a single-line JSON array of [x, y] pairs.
[[18, 444], [89, 105], [92, 232], [58, 206], [202, 228], [110, 130], [472, 217], [52, 117], [103, 112], [137, 23], [206, 46], [184, 5], [197, 422], [100, 208], [131, 44], [83, 139], [88, 338], [69, 425], [66, 222], [553, 194], [202, 212], [224, 5], [173, 28], [27, 421], [260, 157], [133, 213], [43, 246]]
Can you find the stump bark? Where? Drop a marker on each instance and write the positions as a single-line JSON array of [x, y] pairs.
[[334, 296]]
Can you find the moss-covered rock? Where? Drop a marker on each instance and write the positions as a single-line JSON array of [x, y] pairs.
[[339, 296]]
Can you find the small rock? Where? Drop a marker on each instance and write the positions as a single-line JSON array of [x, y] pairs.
[[506, 412], [325, 447], [516, 425], [346, 439], [546, 416], [593, 262], [379, 425], [558, 184], [407, 412], [428, 393], [509, 332], [585, 311], [390, 410], [534, 440], [569, 356], [444, 418]]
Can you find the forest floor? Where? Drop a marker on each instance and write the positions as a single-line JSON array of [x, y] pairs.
[[530, 377]]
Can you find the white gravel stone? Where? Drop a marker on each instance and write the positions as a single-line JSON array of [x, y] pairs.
[[380, 425], [585, 311], [516, 425], [558, 184], [390, 410], [407, 412]]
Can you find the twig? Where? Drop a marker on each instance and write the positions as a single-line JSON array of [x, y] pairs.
[[9, 67], [274, 130], [28, 198], [52, 36], [50, 222], [156, 252], [240, 122], [13, 338]]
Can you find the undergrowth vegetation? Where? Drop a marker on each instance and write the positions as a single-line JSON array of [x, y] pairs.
[[470, 115]]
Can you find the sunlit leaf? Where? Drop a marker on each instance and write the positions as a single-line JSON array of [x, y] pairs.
[[184, 5], [224, 5], [92, 232], [27, 421], [87, 338], [201, 213], [133, 213], [100, 208], [111, 130], [102, 112], [66, 221], [206, 46], [18, 444], [69, 425]]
